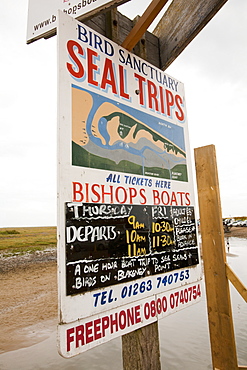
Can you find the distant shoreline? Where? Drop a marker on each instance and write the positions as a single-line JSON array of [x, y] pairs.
[[239, 232]]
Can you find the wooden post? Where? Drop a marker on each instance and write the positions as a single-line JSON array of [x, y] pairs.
[[143, 23], [221, 329], [140, 349], [140, 48], [111, 25], [238, 285], [181, 23]]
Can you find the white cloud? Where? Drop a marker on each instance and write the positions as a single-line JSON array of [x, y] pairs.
[[213, 68], [214, 73]]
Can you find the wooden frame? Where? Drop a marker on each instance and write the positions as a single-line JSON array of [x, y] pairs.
[[239, 286], [143, 23], [217, 271]]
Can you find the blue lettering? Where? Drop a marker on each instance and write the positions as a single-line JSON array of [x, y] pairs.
[[143, 71], [95, 41], [103, 298], [121, 53], [96, 296], [162, 184], [82, 34]]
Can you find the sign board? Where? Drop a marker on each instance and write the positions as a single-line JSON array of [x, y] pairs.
[[42, 16], [128, 248]]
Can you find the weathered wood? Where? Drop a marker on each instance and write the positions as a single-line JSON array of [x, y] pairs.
[[140, 48], [181, 23], [238, 285], [116, 27], [143, 23], [97, 24], [223, 347], [152, 49], [140, 349], [111, 26], [183, 20]]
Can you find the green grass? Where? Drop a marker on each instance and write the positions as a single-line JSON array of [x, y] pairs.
[[9, 232], [81, 157], [26, 239]]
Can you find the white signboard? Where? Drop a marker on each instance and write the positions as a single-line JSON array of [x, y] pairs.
[[42, 15], [128, 246]]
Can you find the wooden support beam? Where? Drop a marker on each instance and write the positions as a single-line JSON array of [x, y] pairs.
[[140, 349], [112, 25], [140, 48], [181, 23], [116, 26], [223, 346], [143, 23], [239, 286]]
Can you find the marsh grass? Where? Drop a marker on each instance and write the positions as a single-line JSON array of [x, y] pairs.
[[22, 240]]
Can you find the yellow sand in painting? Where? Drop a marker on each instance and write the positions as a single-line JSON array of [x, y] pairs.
[[112, 129], [113, 126], [82, 103]]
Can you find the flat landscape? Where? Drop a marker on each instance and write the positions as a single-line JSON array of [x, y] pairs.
[[28, 294], [28, 274]]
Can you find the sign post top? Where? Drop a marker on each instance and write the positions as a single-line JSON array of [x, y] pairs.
[[42, 20]]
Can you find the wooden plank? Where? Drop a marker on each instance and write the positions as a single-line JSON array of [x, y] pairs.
[[152, 49], [97, 23], [181, 23], [111, 25], [143, 23], [140, 349], [239, 286], [140, 47], [223, 347], [116, 27]]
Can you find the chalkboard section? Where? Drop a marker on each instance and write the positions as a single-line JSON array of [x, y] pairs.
[[108, 244]]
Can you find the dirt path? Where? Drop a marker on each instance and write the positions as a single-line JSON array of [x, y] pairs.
[[28, 297], [239, 232]]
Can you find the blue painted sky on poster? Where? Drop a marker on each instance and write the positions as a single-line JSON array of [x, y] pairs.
[[165, 128]]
